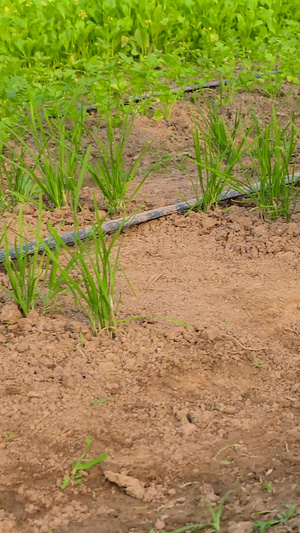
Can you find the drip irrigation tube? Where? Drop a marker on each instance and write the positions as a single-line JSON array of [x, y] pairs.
[[187, 90], [113, 225]]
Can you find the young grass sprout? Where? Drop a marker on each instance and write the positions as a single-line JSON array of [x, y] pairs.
[[95, 267], [32, 278], [212, 176], [17, 184], [271, 156], [79, 465], [220, 136], [108, 172], [281, 519], [214, 525], [50, 157]]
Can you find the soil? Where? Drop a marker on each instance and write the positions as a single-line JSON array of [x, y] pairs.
[[201, 401]]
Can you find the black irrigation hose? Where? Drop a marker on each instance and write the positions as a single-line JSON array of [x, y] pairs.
[[189, 89], [114, 225]]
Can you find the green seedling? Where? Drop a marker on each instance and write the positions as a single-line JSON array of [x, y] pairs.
[[32, 278], [10, 435], [215, 523], [283, 519], [79, 465], [82, 339], [212, 176], [222, 138], [97, 401], [17, 184], [216, 515], [166, 101], [109, 172], [257, 364], [162, 160], [187, 529], [95, 266], [271, 154], [50, 160], [269, 487]]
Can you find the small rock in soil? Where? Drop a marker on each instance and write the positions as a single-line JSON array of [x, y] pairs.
[[240, 527], [190, 336], [175, 334], [159, 525], [208, 223], [229, 410], [28, 209], [208, 494], [10, 314], [211, 333], [171, 492], [187, 430]]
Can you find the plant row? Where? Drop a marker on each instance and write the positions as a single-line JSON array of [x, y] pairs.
[[46, 155]]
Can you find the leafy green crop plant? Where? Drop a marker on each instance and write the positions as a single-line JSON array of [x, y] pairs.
[[109, 172], [167, 98], [58, 47]]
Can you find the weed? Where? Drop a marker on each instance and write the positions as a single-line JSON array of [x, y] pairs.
[[269, 487], [257, 364], [82, 339], [187, 529], [161, 162], [79, 465], [215, 523], [166, 101], [264, 525], [97, 401]]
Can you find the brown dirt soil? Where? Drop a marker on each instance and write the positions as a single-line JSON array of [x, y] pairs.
[[192, 411], [193, 415]]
